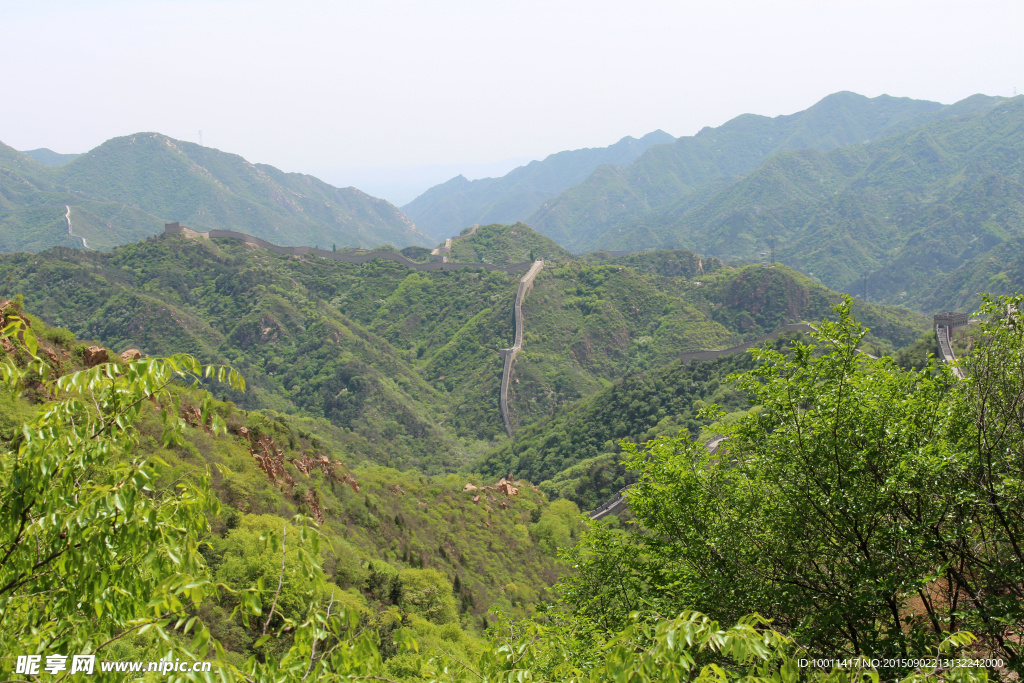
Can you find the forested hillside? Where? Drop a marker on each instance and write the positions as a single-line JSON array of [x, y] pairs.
[[674, 178], [395, 573], [448, 208], [504, 245], [395, 548], [922, 198], [406, 363], [125, 189]]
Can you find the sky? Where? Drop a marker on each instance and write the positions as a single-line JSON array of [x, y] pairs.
[[393, 97]]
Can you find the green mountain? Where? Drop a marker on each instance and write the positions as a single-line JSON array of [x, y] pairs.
[[126, 188], [505, 245], [383, 529], [572, 451], [447, 208], [47, 157], [404, 363], [907, 210], [1000, 271], [372, 405], [575, 452], [612, 207]]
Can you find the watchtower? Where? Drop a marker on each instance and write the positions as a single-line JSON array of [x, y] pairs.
[[951, 320]]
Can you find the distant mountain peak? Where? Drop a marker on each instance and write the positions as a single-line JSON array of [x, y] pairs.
[[129, 186], [47, 157], [458, 203]]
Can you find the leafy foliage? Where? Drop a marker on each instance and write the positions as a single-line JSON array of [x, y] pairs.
[[850, 509], [82, 516]]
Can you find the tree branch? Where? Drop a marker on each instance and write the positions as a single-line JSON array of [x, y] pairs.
[[312, 650], [280, 580]]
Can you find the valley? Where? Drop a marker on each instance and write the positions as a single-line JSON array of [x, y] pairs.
[[297, 398]]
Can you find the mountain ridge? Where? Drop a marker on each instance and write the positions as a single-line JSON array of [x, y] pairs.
[[671, 178], [128, 187], [459, 202], [47, 157]]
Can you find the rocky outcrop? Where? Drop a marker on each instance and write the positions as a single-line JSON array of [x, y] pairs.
[[194, 417], [271, 460], [130, 355], [307, 463], [94, 355], [312, 501], [507, 488]]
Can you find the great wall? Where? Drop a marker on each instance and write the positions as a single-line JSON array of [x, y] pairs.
[[944, 323], [362, 256], [444, 250], [354, 256], [525, 285], [946, 326]]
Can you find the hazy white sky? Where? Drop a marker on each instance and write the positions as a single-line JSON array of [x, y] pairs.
[[341, 89]]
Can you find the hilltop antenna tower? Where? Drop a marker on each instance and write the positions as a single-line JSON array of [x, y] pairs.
[[773, 250], [200, 138]]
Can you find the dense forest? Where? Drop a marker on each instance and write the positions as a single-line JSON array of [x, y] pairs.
[[856, 509]]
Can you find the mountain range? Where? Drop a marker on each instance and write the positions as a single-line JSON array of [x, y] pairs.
[[685, 174], [128, 187], [900, 200], [459, 203], [883, 197]]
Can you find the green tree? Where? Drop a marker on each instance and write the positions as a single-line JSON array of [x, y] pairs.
[[90, 551], [557, 526], [428, 592], [833, 510]]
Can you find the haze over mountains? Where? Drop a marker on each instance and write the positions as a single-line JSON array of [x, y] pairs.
[[125, 189], [514, 196], [905, 191], [47, 157]]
